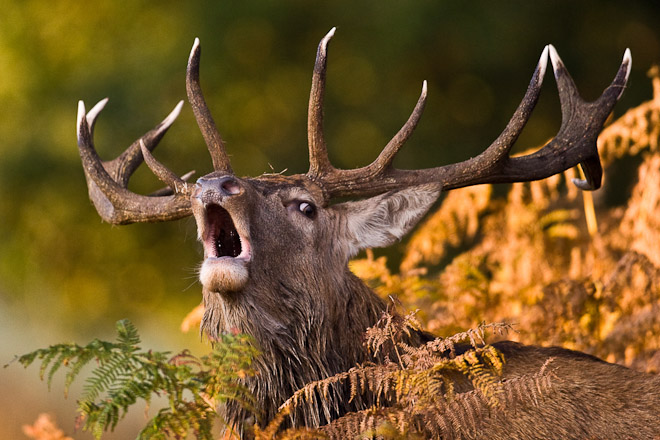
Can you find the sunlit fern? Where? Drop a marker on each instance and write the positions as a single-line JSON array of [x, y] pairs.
[[441, 389]]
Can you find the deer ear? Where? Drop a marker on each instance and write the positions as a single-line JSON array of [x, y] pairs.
[[382, 220]]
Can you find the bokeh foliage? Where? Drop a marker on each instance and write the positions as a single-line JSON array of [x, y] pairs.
[[65, 274]]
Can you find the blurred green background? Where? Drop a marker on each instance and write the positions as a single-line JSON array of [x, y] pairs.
[[65, 276]]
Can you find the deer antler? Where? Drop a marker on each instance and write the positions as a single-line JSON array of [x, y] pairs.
[[205, 121], [575, 142], [107, 181]]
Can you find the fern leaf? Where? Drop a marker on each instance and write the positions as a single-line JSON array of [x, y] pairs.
[[47, 358], [125, 374], [57, 363], [129, 338]]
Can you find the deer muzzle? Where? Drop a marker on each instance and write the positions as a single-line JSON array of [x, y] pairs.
[[223, 233]]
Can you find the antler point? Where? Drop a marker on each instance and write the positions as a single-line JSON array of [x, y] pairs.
[[324, 42], [195, 49], [554, 58], [627, 65], [582, 184], [543, 62], [627, 60], [94, 112], [81, 115], [175, 112]]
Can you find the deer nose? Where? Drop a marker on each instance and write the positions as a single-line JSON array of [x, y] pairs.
[[225, 186]]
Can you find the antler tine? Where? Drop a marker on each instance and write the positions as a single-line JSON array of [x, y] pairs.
[[167, 191], [93, 113], [123, 167], [319, 163], [113, 201], [203, 116], [167, 176], [386, 156], [616, 89], [501, 147], [592, 168]]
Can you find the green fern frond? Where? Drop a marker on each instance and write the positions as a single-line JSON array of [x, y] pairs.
[[125, 374], [47, 358], [128, 336]]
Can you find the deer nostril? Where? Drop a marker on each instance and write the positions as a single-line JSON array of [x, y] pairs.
[[217, 187], [230, 186]]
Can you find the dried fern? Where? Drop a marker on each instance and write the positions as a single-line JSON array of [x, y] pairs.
[[430, 414], [417, 390], [637, 130]]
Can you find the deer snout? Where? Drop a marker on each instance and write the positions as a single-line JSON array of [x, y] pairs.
[[215, 189]]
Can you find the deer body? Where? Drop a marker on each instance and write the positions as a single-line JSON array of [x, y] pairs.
[[276, 253], [589, 398]]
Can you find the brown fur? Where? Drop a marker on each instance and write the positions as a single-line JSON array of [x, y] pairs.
[[308, 314]]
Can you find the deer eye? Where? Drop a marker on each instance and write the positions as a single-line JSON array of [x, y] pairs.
[[306, 208]]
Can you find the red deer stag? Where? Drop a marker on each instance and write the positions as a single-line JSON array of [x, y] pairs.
[[276, 252]]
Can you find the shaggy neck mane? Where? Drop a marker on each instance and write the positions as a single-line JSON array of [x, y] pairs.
[[300, 341]]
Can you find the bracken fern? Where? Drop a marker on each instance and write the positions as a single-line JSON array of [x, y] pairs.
[[126, 373], [441, 389]]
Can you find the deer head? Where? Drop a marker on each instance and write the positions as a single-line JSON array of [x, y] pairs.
[[276, 247]]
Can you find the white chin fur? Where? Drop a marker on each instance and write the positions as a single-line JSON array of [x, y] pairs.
[[223, 274]]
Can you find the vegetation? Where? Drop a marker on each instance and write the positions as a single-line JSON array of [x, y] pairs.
[[544, 256], [416, 394], [124, 374], [64, 276]]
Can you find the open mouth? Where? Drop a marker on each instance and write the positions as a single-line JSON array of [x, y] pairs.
[[221, 239]]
